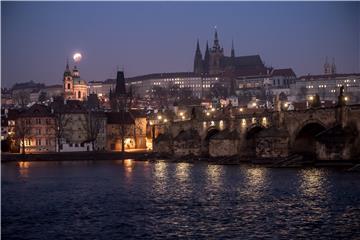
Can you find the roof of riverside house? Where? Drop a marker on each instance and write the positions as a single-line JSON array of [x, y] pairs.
[[119, 118], [138, 113], [69, 106], [287, 72], [328, 76], [191, 134], [36, 110]]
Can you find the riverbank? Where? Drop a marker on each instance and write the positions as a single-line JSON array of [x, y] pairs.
[[77, 156], [144, 155]]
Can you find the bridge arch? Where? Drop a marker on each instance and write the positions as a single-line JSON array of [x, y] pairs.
[[303, 140], [250, 138], [210, 132]]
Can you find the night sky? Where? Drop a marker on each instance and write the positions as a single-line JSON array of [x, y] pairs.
[[146, 37]]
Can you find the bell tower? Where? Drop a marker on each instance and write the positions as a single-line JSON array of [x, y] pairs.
[[68, 83]]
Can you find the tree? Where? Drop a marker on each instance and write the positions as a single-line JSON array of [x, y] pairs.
[[22, 130], [283, 97], [60, 123], [161, 94], [218, 90], [302, 92], [43, 97], [93, 125], [22, 98]]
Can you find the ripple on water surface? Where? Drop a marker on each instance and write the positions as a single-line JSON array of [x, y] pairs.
[[143, 200]]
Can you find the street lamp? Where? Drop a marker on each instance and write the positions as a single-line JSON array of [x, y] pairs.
[[159, 117], [165, 120]]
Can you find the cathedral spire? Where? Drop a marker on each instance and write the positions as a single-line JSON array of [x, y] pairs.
[[67, 71], [216, 40], [333, 67], [67, 65], [198, 62], [198, 47], [327, 67], [232, 49]]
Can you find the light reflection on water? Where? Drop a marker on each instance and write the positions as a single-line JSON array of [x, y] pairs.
[[312, 183], [143, 200], [182, 172], [255, 182], [24, 169], [214, 175]]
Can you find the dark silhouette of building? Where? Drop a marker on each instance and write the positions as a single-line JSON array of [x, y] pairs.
[[118, 97], [215, 62]]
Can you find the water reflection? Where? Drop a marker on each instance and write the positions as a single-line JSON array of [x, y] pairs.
[[312, 182], [313, 187], [129, 164], [182, 171], [160, 170], [255, 182], [24, 168], [214, 174]]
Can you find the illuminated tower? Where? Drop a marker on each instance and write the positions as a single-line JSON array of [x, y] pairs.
[[68, 83]]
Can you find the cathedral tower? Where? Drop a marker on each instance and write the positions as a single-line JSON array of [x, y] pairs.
[[68, 82], [333, 67], [216, 55], [206, 59], [327, 67], [198, 62]]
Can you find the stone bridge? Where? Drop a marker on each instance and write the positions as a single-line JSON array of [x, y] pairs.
[[325, 133]]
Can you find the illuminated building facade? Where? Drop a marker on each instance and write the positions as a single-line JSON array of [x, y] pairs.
[[74, 87], [199, 84], [327, 86]]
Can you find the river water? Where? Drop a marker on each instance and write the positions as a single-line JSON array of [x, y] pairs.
[[159, 200]]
